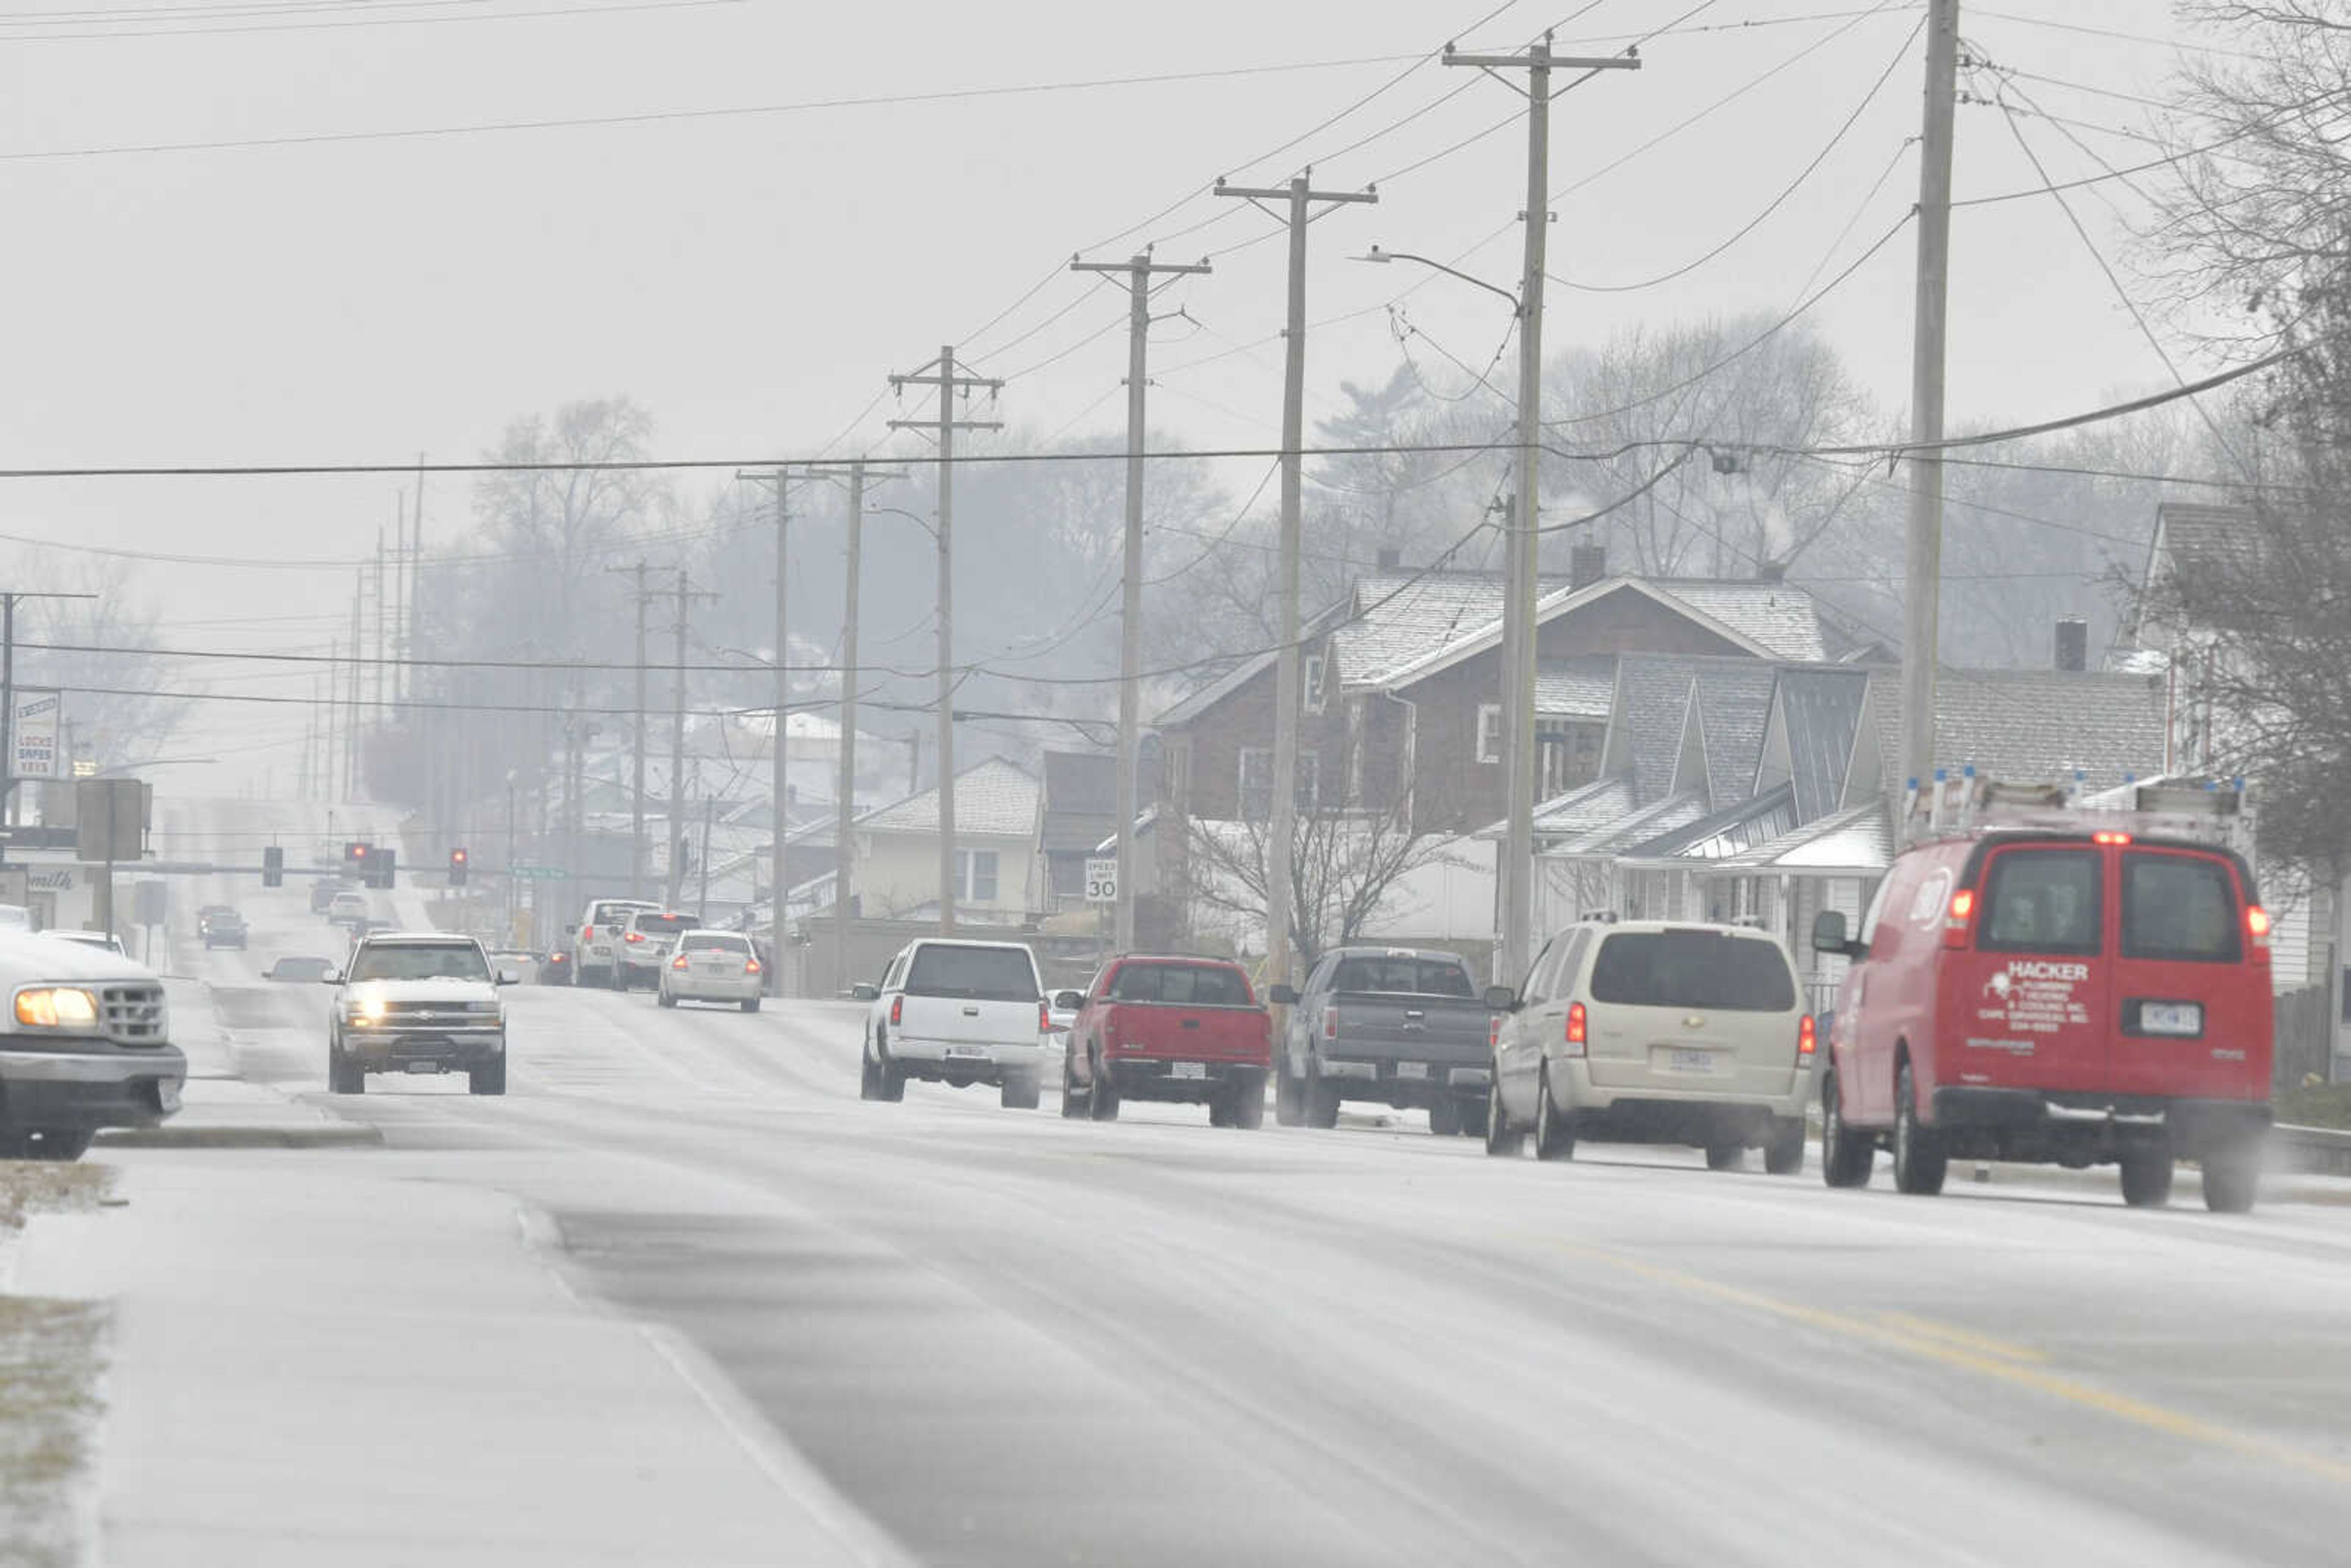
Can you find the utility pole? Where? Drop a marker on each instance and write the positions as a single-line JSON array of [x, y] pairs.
[[777, 749], [941, 374], [1923, 570], [1517, 879], [637, 739], [1139, 270], [8, 599], [351, 717], [382, 591], [675, 823], [1299, 197]]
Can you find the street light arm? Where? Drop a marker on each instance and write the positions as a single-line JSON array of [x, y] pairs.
[[1385, 257]]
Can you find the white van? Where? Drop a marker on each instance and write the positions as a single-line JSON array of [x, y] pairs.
[[958, 1013]]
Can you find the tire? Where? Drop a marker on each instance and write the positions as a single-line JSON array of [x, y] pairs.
[[2147, 1176], [1021, 1092], [751, 1004], [1249, 1102], [1074, 1106], [869, 1080], [60, 1145], [1920, 1162], [344, 1076], [1102, 1102], [1846, 1156], [1445, 1116], [1288, 1098], [490, 1080], [889, 1078], [1554, 1138], [1501, 1138], [1321, 1101], [666, 999], [2232, 1176], [1473, 1118], [1784, 1154], [1221, 1111], [1725, 1156]]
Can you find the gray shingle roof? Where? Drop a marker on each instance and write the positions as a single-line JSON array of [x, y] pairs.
[[1400, 617], [1583, 687], [1781, 616], [1653, 692], [994, 796], [2033, 725], [1734, 703]]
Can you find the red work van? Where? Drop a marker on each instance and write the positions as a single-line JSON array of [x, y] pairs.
[[2048, 995]]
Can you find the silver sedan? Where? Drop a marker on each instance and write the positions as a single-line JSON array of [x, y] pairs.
[[713, 966]]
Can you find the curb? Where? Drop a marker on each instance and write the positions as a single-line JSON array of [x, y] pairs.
[[347, 1135]]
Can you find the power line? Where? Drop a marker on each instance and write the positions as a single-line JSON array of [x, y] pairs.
[[111, 35]]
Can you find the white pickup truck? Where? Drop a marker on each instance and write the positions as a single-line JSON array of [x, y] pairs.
[[85, 1044], [958, 1013]]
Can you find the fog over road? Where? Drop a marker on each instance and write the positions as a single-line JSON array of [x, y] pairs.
[[1012, 1339]]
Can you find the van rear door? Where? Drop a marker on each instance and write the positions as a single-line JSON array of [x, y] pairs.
[[1692, 1010], [2023, 1005], [2191, 1001]]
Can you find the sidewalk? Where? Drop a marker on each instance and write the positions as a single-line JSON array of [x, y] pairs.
[[220, 1110], [315, 1360]]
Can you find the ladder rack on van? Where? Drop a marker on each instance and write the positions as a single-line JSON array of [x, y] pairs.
[[2204, 811]]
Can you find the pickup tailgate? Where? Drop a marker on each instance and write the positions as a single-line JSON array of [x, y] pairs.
[[968, 1021], [1447, 1031], [1177, 1031]]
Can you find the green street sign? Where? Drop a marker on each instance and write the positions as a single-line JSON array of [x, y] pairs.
[[544, 872]]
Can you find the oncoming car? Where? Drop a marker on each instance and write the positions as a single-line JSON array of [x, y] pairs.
[[713, 966], [417, 1002]]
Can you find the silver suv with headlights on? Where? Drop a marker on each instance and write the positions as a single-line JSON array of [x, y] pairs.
[[417, 1002], [86, 1044]]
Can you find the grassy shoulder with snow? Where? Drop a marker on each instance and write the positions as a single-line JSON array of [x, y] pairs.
[[50, 1359]]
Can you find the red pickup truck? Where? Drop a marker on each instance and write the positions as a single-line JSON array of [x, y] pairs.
[[1187, 1030]]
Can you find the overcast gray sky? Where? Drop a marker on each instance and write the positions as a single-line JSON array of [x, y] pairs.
[[752, 278]]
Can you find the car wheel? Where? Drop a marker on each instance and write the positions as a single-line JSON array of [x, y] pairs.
[[1784, 1155], [489, 1080], [1920, 1161], [868, 1079], [1220, 1110], [1073, 1100], [1321, 1101], [1289, 1097], [62, 1145], [889, 1078], [2232, 1176], [1473, 1118], [1554, 1135], [1501, 1138], [1443, 1116], [1249, 1102], [1104, 1102], [2146, 1176], [1725, 1156], [1845, 1154], [1021, 1092], [343, 1075], [666, 999], [751, 1004]]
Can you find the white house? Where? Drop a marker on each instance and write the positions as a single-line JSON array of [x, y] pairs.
[[897, 847]]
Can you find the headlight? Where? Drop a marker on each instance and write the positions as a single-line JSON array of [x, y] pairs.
[[57, 1007], [365, 1010]]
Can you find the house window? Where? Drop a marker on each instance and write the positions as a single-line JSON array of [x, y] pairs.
[[1489, 732], [1256, 782], [1311, 691], [1567, 756], [974, 876]]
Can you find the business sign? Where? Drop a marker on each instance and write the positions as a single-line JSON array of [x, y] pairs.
[[110, 819], [35, 735], [1102, 879]]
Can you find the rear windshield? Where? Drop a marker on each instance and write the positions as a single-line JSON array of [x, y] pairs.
[[613, 914], [710, 941], [1420, 977], [664, 925], [1187, 985], [2180, 907], [421, 961], [1693, 969], [984, 973], [2042, 901]]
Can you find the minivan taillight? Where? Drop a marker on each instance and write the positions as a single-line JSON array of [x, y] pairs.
[[1575, 1029], [1959, 925], [1493, 1030], [2257, 930], [1808, 1039], [897, 1010], [1330, 1023], [1044, 1016]]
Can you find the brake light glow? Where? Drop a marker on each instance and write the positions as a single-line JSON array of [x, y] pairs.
[[1493, 1030], [2110, 838], [750, 966], [897, 1010], [2257, 927], [636, 936], [1330, 1023], [1808, 1039], [1044, 1016], [587, 934], [678, 962], [1960, 924], [1575, 1028]]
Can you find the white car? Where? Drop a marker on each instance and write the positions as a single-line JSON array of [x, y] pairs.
[[1655, 1032], [713, 966], [594, 956], [958, 1013], [349, 908], [646, 944], [85, 1044]]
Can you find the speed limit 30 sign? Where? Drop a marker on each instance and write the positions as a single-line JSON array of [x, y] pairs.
[[1102, 879]]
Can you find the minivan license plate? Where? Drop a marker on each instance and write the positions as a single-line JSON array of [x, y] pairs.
[[1693, 1062], [2171, 1018]]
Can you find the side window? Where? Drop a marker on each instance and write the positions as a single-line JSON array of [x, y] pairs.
[[2042, 901], [1877, 911], [1535, 987], [1571, 963], [1318, 978]]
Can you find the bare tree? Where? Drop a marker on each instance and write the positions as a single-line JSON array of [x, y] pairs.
[[99, 655]]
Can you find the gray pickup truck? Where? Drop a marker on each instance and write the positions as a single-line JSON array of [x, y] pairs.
[[1397, 1026]]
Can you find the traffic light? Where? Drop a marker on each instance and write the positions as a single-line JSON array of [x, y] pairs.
[[381, 863], [355, 859], [273, 867], [456, 868]]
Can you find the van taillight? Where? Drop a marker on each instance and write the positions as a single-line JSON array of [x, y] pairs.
[[1960, 924], [897, 1010], [1575, 1028], [1493, 1030], [2257, 929], [1330, 1023], [1808, 1039]]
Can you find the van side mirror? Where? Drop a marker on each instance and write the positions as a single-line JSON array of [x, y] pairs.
[[1829, 934], [865, 991], [1283, 995], [1501, 999], [1069, 1001]]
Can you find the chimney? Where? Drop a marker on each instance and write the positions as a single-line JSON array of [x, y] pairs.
[[1771, 571], [1391, 558], [1586, 564], [2073, 643]]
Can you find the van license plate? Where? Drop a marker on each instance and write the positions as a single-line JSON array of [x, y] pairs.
[[1411, 1070], [1191, 1069], [963, 1050], [2171, 1018], [1693, 1062]]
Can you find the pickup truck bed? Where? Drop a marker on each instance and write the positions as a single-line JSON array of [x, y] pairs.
[[1425, 1048], [1187, 1032]]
